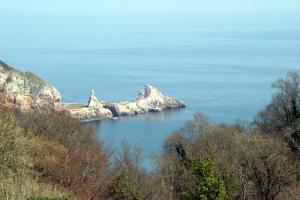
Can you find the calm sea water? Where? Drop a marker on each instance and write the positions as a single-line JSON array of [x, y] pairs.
[[220, 65]]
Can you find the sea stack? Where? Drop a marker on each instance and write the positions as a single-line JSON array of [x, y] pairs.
[[93, 101], [150, 99], [27, 92], [94, 110]]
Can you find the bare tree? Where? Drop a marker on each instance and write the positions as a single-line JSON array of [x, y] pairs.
[[282, 115], [268, 165]]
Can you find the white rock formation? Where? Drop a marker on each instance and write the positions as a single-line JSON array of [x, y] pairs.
[[26, 91], [93, 111], [150, 99], [124, 108], [93, 101], [91, 114]]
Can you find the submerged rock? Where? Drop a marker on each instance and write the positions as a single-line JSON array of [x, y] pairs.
[[26, 91]]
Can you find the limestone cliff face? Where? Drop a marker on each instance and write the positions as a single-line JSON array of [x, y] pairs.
[[26, 91]]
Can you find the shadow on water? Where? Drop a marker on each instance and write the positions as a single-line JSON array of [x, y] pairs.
[[151, 116]]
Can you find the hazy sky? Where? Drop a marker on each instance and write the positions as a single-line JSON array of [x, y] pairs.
[[142, 6]]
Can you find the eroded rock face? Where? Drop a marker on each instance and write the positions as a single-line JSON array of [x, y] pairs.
[[124, 108], [93, 101], [90, 114], [26, 91], [150, 99], [93, 111]]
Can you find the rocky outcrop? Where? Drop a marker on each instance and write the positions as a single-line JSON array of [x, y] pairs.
[[26, 91], [150, 99], [93, 101], [93, 111], [124, 108]]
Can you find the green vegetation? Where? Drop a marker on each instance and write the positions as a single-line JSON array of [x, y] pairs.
[[282, 115], [123, 187], [8, 80], [5, 66], [31, 77], [49, 198], [201, 182], [75, 105], [17, 179], [34, 78], [54, 156], [106, 103], [10, 69], [83, 105]]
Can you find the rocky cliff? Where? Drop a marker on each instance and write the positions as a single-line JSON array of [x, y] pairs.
[[26, 91]]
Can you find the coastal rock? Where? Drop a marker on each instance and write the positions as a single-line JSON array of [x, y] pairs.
[[124, 108], [150, 99], [26, 91], [91, 114], [94, 110], [93, 101]]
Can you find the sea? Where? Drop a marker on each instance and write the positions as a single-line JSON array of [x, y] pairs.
[[219, 64]]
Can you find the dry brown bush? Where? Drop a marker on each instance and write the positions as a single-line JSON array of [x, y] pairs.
[[17, 179]]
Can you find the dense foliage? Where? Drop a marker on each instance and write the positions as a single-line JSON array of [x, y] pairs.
[[48, 198], [57, 157]]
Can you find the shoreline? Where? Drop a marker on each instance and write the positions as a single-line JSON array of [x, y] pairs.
[[150, 99]]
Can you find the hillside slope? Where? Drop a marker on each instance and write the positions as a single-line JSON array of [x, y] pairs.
[[26, 91]]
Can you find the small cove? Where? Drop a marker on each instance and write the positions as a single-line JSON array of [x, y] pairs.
[[223, 69]]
